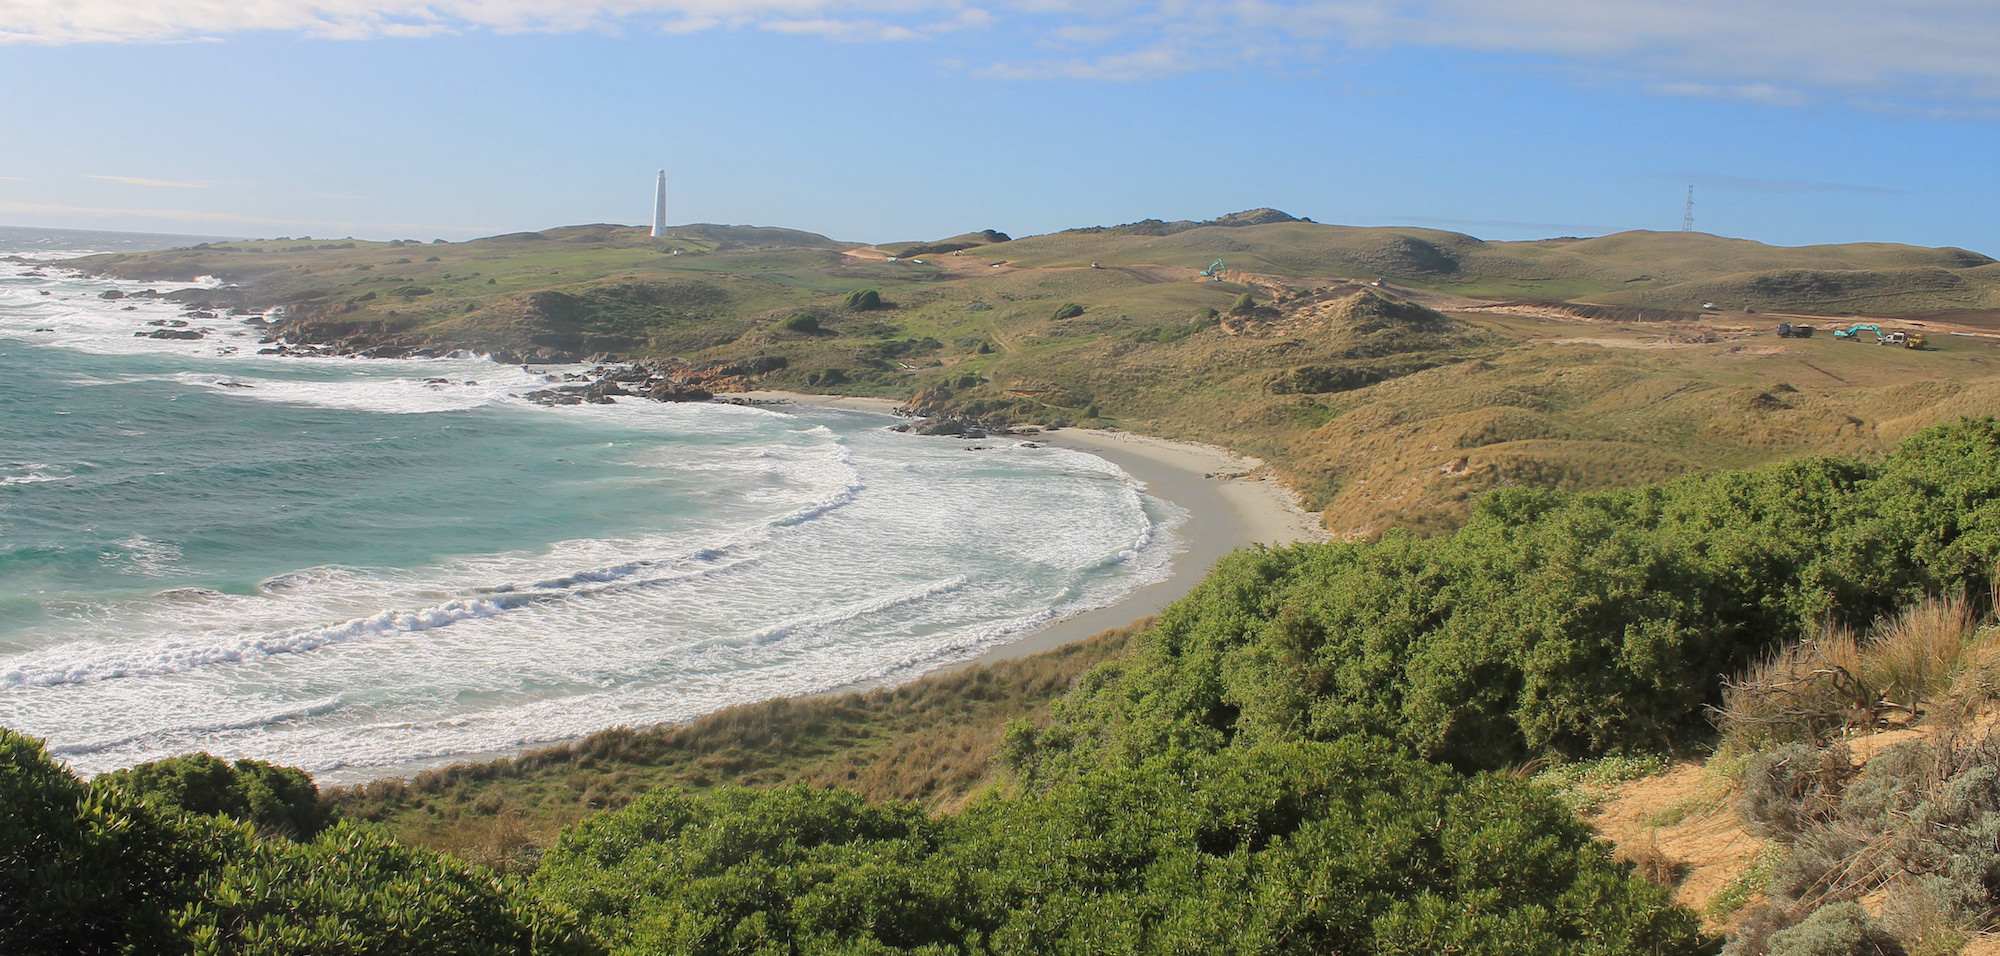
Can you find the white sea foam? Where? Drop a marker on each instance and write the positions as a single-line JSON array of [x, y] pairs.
[[812, 550]]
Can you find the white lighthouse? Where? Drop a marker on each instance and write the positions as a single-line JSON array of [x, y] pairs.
[[660, 206]]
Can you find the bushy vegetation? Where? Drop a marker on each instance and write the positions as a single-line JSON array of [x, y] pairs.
[[1915, 831], [87, 869], [1551, 625], [276, 800], [1312, 848]]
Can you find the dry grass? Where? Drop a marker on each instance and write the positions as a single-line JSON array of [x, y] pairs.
[[1836, 681], [930, 741]]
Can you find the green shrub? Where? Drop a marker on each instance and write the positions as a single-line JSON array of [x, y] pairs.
[[354, 892], [1344, 847], [279, 800], [1244, 303], [1067, 310], [90, 869], [1838, 930], [862, 300], [86, 871], [1552, 624], [804, 323]]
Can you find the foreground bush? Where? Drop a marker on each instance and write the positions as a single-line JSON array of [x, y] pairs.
[[87, 870], [1344, 847]]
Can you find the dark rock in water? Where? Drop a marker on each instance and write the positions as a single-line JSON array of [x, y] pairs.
[[554, 396], [230, 383], [672, 392], [45, 330], [111, 294], [129, 308], [954, 427], [200, 314], [172, 334], [47, 292]]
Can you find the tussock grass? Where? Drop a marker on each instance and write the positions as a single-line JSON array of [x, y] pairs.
[[1837, 681], [930, 741]]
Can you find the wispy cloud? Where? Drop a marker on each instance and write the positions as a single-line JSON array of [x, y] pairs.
[[12, 179], [1761, 93], [844, 30], [1928, 57], [116, 216], [142, 181]]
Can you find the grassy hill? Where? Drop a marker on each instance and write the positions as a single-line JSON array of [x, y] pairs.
[[1551, 361]]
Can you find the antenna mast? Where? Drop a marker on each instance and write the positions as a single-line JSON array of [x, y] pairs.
[[1687, 215]]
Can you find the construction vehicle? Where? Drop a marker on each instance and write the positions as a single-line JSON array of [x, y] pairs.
[[1787, 330], [1853, 332], [1213, 273], [1914, 340]]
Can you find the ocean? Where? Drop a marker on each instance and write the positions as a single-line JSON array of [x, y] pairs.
[[357, 566]]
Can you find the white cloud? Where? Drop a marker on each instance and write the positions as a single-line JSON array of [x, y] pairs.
[[141, 181], [844, 30], [1932, 56]]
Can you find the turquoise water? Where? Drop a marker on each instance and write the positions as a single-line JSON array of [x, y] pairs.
[[351, 565]]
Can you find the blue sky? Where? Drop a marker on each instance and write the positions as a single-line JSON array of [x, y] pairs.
[[1796, 122]]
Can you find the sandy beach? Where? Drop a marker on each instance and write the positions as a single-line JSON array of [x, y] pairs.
[[1230, 504]]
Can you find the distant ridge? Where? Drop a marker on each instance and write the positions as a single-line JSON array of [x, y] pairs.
[[1155, 227]]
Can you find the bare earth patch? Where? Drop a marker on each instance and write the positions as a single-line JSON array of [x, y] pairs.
[[1682, 823]]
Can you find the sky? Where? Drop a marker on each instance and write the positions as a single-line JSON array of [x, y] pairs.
[[1795, 121]]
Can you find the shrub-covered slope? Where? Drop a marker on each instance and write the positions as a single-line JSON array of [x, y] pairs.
[[1551, 625]]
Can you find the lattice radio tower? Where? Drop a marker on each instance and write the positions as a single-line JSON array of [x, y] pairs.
[[1687, 214]]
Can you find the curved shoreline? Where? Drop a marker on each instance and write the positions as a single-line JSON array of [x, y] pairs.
[[1229, 504]]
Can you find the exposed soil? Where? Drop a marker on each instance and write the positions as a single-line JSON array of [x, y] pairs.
[[1681, 824]]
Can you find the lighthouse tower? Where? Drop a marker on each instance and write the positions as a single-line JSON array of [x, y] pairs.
[[660, 206]]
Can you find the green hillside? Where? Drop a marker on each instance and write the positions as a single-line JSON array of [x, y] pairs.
[[1375, 406]]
